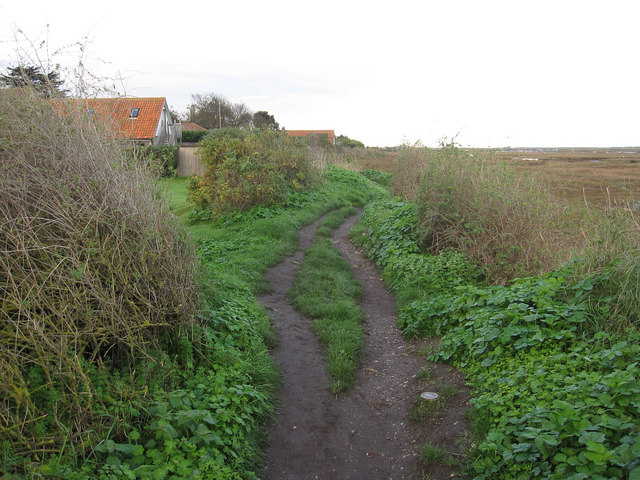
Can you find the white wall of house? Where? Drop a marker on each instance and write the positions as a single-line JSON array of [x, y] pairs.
[[165, 132]]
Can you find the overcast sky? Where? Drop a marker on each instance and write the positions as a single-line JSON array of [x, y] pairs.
[[494, 73]]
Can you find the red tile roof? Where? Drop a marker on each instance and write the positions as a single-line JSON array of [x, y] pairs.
[[117, 113], [191, 126]]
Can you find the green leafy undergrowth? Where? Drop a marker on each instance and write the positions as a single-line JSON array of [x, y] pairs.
[[561, 412], [558, 399], [197, 409], [387, 231], [383, 178], [326, 291], [563, 403], [207, 403]]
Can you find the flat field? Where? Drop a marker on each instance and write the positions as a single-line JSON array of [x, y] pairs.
[[599, 175], [375, 158]]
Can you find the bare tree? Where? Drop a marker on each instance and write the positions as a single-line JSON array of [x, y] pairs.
[[211, 110], [36, 64]]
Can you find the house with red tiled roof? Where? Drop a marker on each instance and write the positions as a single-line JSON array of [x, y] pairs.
[[188, 126], [145, 120], [330, 134]]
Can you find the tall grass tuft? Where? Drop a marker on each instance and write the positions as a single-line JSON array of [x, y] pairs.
[[612, 252], [93, 271], [507, 223]]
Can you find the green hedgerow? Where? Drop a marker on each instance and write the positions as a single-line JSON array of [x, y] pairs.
[[246, 168]]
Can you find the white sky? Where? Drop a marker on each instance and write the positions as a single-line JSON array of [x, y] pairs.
[[494, 73]]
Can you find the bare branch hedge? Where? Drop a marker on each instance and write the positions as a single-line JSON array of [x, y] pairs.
[[94, 270]]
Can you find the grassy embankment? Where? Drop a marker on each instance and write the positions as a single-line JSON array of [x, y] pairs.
[[551, 356]]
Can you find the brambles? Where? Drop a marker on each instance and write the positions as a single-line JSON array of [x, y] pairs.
[[94, 274]]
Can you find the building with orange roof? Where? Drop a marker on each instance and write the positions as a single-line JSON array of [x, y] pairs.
[[331, 136], [145, 120], [189, 126]]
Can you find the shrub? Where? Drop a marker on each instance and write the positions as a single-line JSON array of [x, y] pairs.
[[246, 168], [94, 272], [508, 224], [193, 136], [162, 159], [346, 142]]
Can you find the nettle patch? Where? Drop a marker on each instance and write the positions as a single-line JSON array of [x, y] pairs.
[[559, 401]]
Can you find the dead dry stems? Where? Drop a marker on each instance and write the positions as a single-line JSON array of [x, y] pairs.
[[509, 224], [93, 268]]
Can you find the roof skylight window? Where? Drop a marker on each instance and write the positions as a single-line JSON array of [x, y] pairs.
[[134, 113]]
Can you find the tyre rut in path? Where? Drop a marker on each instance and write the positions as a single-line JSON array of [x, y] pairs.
[[364, 433]]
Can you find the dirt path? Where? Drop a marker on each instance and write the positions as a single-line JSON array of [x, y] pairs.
[[365, 433]]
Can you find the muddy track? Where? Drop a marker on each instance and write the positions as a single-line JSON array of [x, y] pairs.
[[365, 433]]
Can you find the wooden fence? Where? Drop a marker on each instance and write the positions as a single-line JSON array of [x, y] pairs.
[[189, 162]]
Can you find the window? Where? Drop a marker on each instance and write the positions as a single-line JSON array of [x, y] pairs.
[[91, 111], [134, 113]]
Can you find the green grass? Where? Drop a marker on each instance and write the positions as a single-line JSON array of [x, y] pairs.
[[425, 373], [334, 220], [176, 190], [423, 410], [326, 291], [430, 454]]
